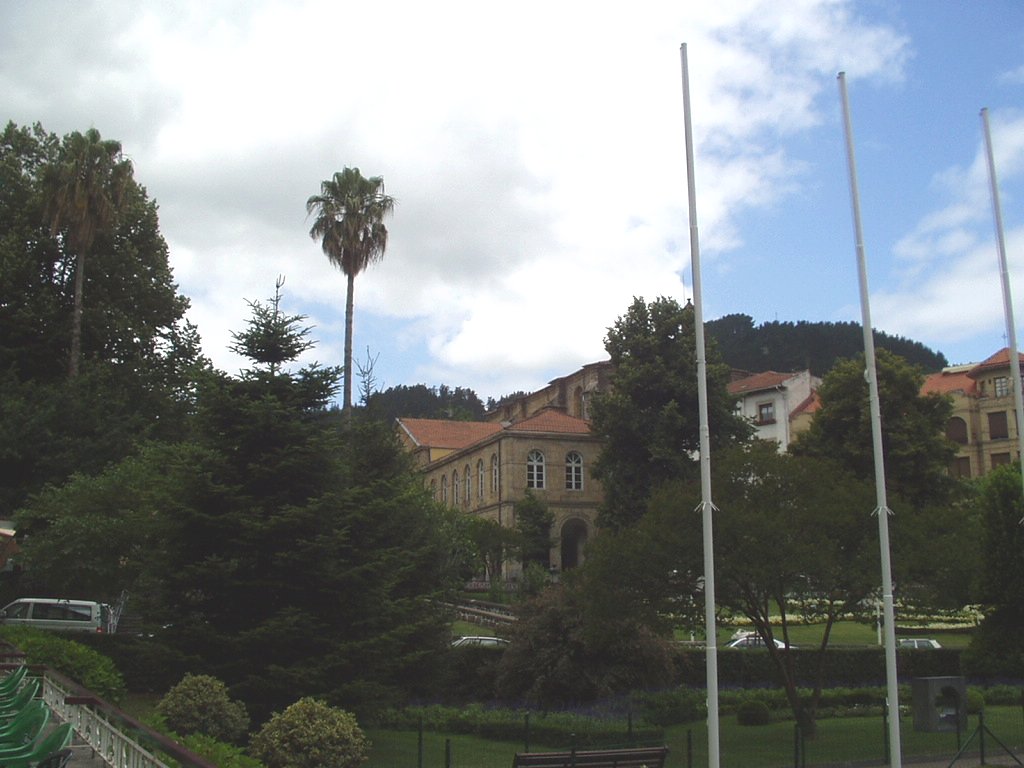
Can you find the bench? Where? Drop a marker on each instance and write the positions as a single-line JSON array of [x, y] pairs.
[[633, 757]]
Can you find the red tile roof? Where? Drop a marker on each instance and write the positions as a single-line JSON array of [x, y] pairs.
[[951, 380], [442, 433], [758, 382], [552, 420], [1000, 359], [811, 404], [454, 435]]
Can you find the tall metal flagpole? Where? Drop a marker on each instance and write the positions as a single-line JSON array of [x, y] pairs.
[[882, 506], [706, 506], [1004, 276]]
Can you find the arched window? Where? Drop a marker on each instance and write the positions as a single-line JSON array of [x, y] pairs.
[[468, 490], [573, 471], [535, 469], [456, 487], [494, 474], [444, 489], [956, 430], [433, 489], [480, 478]]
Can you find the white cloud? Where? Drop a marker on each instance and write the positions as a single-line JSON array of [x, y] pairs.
[[951, 285], [536, 155]]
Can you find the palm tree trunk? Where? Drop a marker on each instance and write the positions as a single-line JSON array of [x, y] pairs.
[[349, 311], [76, 317]]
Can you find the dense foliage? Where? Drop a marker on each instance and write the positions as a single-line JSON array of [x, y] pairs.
[[423, 402], [649, 419], [561, 655], [139, 357], [916, 450], [288, 549], [534, 522], [792, 539], [82, 664], [788, 346], [995, 649]]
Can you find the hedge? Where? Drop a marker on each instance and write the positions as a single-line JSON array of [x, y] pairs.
[[849, 667]]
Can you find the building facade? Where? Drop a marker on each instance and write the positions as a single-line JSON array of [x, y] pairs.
[[779, 405], [572, 394], [485, 468], [983, 424]]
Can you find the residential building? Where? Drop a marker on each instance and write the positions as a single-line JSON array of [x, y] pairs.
[[484, 468], [779, 405], [983, 423]]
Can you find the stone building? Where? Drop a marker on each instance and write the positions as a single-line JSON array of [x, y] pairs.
[[484, 468], [983, 423], [572, 394]]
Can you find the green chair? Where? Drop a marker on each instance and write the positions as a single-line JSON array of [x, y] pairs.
[[10, 683], [25, 726], [12, 706], [43, 749]]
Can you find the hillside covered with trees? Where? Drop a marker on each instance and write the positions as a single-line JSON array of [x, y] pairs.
[[789, 346]]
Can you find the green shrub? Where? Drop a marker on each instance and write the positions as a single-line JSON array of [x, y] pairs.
[[83, 665], [1002, 695], [753, 712], [663, 708], [975, 701], [310, 734], [147, 664], [200, 704], [217, 752]]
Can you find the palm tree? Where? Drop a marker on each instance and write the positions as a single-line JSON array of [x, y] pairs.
[[84, 190], [350, 211]]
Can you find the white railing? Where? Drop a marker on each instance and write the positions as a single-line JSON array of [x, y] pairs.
[[109, 742], [112, 734]]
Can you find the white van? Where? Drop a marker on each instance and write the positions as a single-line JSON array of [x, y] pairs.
[[57, 613]]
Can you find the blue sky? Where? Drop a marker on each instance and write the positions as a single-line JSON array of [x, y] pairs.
[[537, 158]]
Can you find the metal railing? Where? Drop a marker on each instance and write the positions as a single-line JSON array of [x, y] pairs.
[[115, 737]]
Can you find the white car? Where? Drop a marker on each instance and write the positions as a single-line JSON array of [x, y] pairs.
[[753, 641], [483, 642], [918, 643]]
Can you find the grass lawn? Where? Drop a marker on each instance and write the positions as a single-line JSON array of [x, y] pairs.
[[838, 741], [845, 633], [465, 629]]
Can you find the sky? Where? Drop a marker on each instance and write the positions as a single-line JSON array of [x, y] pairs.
[[536, 155]]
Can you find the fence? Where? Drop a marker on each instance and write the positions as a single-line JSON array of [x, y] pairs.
[[995, 736], [115, 737]]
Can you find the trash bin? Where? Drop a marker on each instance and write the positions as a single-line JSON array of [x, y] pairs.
[[939, 702]]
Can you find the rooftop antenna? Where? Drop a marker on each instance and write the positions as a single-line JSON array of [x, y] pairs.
[[707, 507], [1004, 276], [882, 505]]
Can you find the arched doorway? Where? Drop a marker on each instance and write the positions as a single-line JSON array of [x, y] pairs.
[[573, 538]]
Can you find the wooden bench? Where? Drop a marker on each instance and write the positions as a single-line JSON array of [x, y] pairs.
[[633, 757]]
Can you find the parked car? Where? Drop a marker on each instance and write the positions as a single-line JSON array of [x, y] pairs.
[[483, 642], [918, 643], [58, 613], [753, 640]]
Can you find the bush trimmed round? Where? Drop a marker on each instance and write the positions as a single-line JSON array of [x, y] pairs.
[[310, 734], [200, 704]]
